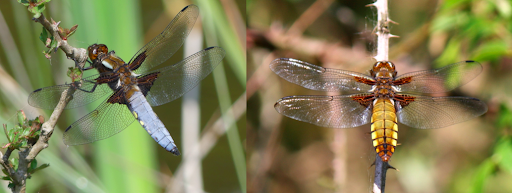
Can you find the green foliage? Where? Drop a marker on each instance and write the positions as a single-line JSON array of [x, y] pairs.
[[74, 73], [34, 168], [501, 159], [27, 131], [505, 118], [477, 27], [49, 42], [23, 135], [35, 6]]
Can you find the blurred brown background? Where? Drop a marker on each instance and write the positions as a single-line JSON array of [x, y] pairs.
[[285, 155]]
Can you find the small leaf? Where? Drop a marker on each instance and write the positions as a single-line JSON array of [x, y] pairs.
[[24, 2], [53, 44], [503, 153], [15, 162], [33, 165], [5, 171], [24, 143], [43, 36], [21, 117], [491, 50], [11, 134], [42, 166], [6, 178], [26, 131], [36, 9], [6, 145]]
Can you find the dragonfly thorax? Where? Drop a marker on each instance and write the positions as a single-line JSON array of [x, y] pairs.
[[383, 69]]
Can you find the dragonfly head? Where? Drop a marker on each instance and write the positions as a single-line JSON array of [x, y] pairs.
[[95, 50], [383, 69]]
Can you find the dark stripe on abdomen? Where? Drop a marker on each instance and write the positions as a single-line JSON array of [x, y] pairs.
[[384, 128]]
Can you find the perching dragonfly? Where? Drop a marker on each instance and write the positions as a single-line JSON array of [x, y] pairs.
[[135, 88], [381, 98]]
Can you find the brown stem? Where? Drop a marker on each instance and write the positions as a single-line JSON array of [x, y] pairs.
[[383, 35], [27, 155]]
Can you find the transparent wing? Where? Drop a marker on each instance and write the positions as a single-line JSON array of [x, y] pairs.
[[325, 111], [174, 81], [163, 46], [435, 112], [442, 79], [105, 121], [318, 78], [90, 91]]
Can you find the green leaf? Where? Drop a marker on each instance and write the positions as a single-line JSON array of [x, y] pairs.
[[33, 165], [505, 117], [450, 53], [15, 162], [6, 178], [53, 44], [24, 2], [37, 10], [43, 36], [491, 50], [21, 117], [482, 174], [503, 153], [24, 143], [11, 134], [26, 131], [43, 166], [5, 171]]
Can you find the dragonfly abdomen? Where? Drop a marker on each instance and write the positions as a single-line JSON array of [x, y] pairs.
[[143, 112], [384, 128]]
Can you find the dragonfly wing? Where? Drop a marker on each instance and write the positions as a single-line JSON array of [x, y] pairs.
[[105, 121], [326, 111], [439, 80], [319, 78], [88, 92], [174, 81], [163, 46], [435, 112]]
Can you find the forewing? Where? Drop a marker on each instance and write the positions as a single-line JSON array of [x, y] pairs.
[[326, 111], [88, 92], [163, 46], [318, 78], [436, 112], [105, 121], [176, 80], [440, 80]]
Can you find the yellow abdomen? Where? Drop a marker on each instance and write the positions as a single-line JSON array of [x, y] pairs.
[[384, 128]]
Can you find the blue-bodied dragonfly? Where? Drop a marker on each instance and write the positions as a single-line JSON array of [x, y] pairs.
[[133, 87]]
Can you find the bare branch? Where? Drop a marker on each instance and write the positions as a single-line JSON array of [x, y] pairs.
[[383, 35], [27, 155], [79, 55]]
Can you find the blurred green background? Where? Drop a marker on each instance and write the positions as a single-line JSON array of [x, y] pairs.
[[285, 155], [130, 161]]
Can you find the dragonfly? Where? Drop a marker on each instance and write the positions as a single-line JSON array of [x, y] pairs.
[[381, 98], [133, 87]]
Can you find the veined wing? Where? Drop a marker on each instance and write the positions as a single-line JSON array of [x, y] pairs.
[[105, 121], [440, 80], [174, 81], [163, 46], [88, 92], [326, 111], [435, 112], [318, 78]]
